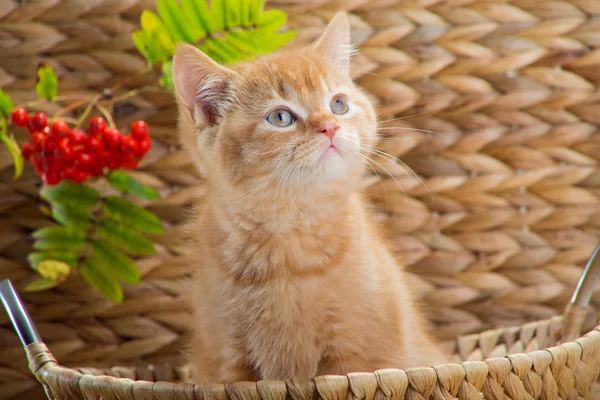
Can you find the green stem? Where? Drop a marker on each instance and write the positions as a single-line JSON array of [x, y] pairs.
[[107, 115], [34, 103]]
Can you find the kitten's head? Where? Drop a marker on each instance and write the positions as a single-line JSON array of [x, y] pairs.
[[291, 118]]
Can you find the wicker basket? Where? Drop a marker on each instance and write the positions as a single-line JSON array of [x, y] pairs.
[[512, 206], [566, 371]]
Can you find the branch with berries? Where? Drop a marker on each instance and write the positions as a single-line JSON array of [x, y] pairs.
[[95, 234]]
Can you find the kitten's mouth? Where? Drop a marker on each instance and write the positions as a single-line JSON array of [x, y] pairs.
[[331, 150]]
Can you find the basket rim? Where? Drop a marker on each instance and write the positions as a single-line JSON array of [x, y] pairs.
[[392, 382]]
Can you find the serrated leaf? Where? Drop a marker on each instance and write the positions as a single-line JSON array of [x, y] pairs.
[[149, 48], [39, 284], [166, 79], [198, 10], [174, 20], [124, 238], [115, 263], [125, 183], [108, 286], [54, 270], [13, 148], [6, 104], [256, 9], [244, 42], [124, 211], [219, 14], [47, 83], [71, 195], [71, 216], [272, 20], [194, 25], [226, 53], [157, 32], [243, 11], [59, 238], [269, 42], [66, 257]]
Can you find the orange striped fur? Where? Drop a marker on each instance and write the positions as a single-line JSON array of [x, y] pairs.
[[292, 280]]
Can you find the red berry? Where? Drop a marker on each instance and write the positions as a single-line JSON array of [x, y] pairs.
[[20, 117], [130, 145], [96, 171], [112, 138], [38, 163], [37, 139], [59, 128], [94, 145], [85, 160], [79, 175], [50, 144], [130, 164], [143, 147], [27, 151], [65, 150], [77, 136], [140, 130], [37, 122], [67, 171], [97, 126], [51, 178]]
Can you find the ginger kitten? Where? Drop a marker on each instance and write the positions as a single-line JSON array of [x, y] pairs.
[[292, 278]]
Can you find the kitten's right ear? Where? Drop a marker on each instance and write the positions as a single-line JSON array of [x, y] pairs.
[[202, 86]]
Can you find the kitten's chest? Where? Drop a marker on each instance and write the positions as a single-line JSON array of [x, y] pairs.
[[282, 303]]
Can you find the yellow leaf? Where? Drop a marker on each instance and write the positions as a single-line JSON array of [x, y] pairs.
[[54, 270], [40, 284]]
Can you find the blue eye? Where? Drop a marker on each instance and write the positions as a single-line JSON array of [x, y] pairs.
[[339, 105], [281, 118]]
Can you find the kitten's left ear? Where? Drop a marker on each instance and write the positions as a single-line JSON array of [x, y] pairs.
[[334, 44], [202, 86]]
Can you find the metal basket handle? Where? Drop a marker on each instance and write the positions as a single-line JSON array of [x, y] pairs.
[[576, 311], [18, 314]]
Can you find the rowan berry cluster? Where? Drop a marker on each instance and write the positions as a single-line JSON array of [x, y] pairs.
[[58, 152]]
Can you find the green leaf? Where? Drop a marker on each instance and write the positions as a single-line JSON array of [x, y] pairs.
[[55, 270], [124, 238], [124, 211], [219, 14], [59, 238], [40, 284], [71, 195], [269, 42], [149, 48], [272, 20], [47, 84], [166, 80], [125, 183], [71, 216], [6, 104], [197, 10], [175, 21], [244, 42], [256, 9], [243, 7], [67, 257], [157, 32], [115, 263], [108, 286], [226, 53], [13, 148]]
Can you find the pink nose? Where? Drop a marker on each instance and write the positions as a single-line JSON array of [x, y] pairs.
[[329, 128]]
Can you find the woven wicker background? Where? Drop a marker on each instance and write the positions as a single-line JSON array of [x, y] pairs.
[[497, 235]]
